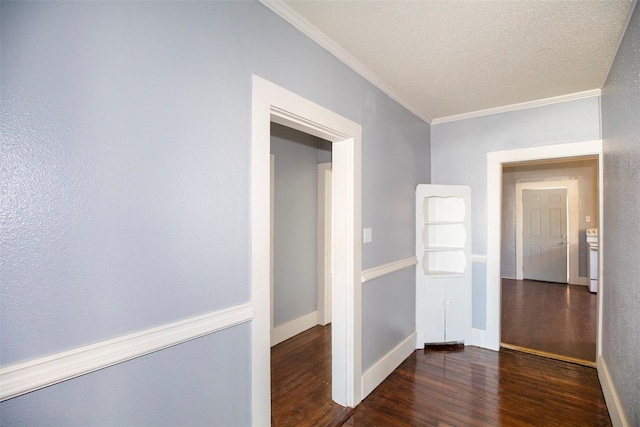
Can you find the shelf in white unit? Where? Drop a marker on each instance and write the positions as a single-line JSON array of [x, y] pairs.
[[443, 208], [443, 274], [450, 260], [443, 222]]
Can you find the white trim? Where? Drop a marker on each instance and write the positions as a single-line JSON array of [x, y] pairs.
[[601, 248], [323, 267], [272, 203], [392, 267], [573, 226], [293, 327], [495, 161], [616, 411], [271, 103], [374, 376], [520, 106], [478, 258], [281, 9], [29, 376], [478, 337]]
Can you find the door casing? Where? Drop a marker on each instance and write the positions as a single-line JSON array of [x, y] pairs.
[[324, 243], [495, 161], [271, 103]]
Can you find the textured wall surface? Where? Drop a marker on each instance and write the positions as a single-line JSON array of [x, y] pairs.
[[583, 171], [184, 385], [295, 222], [125, 170], [459, 154], [389, 311], [621, 239]]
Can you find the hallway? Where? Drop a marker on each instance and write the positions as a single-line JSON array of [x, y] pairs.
[[553, 319]]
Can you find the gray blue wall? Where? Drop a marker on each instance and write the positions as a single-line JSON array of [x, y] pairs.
[[125, 160], [621, 234], [296, 157], [459, 156]]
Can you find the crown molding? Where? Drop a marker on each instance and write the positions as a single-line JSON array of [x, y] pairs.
[[520, 106], [292, 17]]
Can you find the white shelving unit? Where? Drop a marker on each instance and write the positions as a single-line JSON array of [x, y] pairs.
[[443, 276]]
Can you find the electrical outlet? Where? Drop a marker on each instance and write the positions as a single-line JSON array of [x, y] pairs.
[[587, 218], [367, 235]]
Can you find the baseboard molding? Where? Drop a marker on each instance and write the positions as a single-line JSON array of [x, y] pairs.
[[294, 327], [385, 366], [29, 376], [478, 338], [616, 412], [392, 267]]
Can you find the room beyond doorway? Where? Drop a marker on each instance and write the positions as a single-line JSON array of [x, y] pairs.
[[551, 319]]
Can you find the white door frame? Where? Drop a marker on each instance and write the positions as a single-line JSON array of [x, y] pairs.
[[271, 103], [324, 247], [573, 227], [495, 161]]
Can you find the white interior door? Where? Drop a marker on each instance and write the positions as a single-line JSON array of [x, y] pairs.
[[544, 235]]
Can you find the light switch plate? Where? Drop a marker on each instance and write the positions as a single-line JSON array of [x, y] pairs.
[[367, 235], [587, 218]]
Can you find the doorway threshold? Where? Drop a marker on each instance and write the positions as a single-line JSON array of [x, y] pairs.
[[574, 360]]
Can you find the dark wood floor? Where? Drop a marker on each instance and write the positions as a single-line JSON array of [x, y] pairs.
[[550, 318], [472, 387], [301, 381]]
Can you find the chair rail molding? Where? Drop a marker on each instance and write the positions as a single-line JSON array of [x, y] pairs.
[[25, 377], [392, 267]]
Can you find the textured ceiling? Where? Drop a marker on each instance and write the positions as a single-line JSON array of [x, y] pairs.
[[447, 58]]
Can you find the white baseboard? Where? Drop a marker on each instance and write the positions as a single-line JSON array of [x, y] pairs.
[[584, 281], [478, 339], [616, 411], [385, 366], [294, 327], [35, 374]]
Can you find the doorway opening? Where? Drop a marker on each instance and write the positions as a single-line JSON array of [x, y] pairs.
[[496, 161], [300, 304], [548, 308], [300, 233], [271, 103]]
